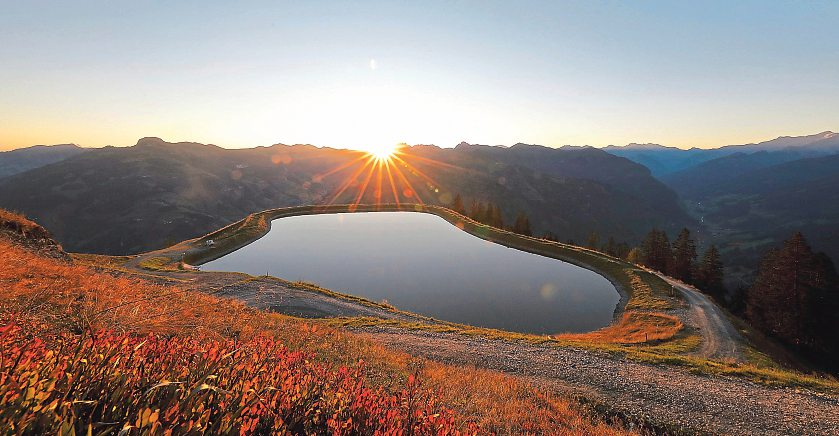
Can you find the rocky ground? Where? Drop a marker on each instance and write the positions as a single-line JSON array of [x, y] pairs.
[[668, 396]]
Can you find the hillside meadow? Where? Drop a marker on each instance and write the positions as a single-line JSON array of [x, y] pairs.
[[87, 352]]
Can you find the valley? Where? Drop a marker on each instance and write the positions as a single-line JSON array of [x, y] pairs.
[[749, 197]]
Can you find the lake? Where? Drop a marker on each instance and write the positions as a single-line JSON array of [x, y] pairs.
[[420, 263]]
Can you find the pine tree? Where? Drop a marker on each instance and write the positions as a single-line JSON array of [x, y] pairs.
[[477, 211], [611, 247], [634, 256], [709, 274], [522, 225], [457, 205], [656, 251], [593, 241], [684, 254], [494, 217], [622, 250], [795, 297]]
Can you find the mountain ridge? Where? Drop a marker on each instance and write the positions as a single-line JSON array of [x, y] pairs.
[[23, 159], [108, 200]]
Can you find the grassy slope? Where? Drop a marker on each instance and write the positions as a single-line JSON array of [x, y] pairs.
[[61, 302]]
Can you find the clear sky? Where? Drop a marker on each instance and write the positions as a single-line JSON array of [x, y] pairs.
[[358, 74]]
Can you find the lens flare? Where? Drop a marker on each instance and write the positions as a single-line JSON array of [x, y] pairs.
[[386, 175], [384, 152]]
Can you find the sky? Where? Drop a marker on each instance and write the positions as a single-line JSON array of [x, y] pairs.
[[365, 74]]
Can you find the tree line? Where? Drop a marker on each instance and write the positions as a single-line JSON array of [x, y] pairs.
[[490, 214], [794, 297]]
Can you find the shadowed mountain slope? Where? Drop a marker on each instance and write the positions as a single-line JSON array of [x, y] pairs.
[[750, 197], [24, 159], [124, 200]]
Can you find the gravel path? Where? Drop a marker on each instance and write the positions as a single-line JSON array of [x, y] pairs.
[[720, 339], [664, 395]]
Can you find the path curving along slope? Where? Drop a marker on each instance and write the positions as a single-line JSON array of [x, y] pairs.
[[720, 338]]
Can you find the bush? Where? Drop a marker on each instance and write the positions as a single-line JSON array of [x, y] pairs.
[[107, 383]]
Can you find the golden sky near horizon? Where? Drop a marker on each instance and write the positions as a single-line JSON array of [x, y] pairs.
[[379, 73]]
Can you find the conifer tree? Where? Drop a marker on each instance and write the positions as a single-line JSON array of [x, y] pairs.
[[593, 241], [611, 247], [684, 254], [622, 250], [795, 297], [709, 274], [477, 211], [656, 251], [457, 205], [494, 217], [522, 225]]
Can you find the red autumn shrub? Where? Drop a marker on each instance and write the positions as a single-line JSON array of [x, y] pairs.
[[106, 383]]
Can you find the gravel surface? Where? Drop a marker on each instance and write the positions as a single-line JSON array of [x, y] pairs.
[[720, 339], [664, 395], [271, 294]]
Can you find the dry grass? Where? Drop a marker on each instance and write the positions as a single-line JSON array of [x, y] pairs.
[[110, 262], [476, 393], [17, 222], [633, 328], [643, 296], [61, 298]]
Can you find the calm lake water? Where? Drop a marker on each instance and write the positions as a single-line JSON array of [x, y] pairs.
[[421, 263]]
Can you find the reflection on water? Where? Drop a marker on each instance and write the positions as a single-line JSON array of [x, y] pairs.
[[420, 263]]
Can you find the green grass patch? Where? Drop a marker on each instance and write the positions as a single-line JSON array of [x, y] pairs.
[[158, 263]]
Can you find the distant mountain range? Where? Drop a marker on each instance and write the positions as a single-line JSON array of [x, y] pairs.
[[744, 198], [663, 161], [749, 197], [24, 159], [128, 199]]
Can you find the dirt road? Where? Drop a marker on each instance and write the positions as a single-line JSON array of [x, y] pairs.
[[720, 339]]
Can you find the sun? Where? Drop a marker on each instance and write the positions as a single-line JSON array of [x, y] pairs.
[[384, 152]]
